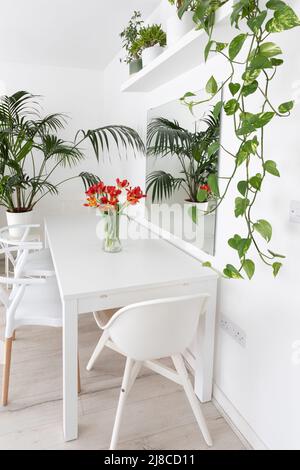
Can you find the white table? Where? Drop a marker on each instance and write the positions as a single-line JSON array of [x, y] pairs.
[[91, 280]]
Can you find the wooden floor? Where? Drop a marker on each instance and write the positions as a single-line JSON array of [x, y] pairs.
[[157, 415]]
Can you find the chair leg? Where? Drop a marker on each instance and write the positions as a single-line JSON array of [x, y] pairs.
[[194, 402], [122, 398], [135, 372], [78, 377], [14, 335], [98, 350], [6, 370]]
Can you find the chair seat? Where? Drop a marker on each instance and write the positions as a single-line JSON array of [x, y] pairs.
[[41, 305], [39, 263]]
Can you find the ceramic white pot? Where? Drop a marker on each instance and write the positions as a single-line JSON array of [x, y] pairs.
[[149, 54], [18, 218], [177, 28]]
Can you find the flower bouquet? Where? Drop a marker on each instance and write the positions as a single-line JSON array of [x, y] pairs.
[[112, 201]]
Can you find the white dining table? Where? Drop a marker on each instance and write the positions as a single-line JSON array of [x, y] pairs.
[[90, 280]]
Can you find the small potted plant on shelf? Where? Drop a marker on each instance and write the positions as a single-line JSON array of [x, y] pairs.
[[178, 26], [129, 36], [112, 202], [151, 41]]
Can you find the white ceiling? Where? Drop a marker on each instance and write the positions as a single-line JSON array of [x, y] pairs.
[[69, 33]]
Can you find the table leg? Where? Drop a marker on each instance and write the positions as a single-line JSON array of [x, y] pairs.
[[205, 346], [70, 370]]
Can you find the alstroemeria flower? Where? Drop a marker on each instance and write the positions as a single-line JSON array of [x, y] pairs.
[[134, 195], [205, 187], [122, 184]]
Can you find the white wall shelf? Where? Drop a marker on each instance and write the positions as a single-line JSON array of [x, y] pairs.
[[174, 61]]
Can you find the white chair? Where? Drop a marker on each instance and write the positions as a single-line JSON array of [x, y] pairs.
[[37, 261], [147, 331], [31, 301]]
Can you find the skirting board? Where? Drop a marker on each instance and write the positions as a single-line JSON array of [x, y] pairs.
[[236, 421]]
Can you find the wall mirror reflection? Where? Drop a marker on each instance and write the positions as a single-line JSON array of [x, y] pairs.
[[182, 159]]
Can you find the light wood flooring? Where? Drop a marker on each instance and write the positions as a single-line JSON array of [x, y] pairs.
[[157, 415]]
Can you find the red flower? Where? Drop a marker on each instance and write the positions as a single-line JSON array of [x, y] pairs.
[[92, 190], [104, 200], [134, 195], [205, 187], [122, 184]]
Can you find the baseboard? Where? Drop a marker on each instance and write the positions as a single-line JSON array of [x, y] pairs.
[[236, 421]]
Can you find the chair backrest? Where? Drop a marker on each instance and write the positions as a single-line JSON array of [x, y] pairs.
[[157, 328]]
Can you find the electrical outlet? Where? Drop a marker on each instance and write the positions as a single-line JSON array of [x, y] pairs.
[[233, 330]]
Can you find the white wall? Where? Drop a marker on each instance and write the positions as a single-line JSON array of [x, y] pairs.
[[79, 94], [261, 381]]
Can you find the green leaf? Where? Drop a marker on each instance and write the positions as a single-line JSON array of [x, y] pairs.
[[241, 205], [234, 242], [271, 168], [236, 45], [276, 62], [284, 18], [256, 181], [189, 94], [220, 46], [286, 107], [213, 148], [231, 107], [264, 228], [263, 118], [269, 49], [256, 22], [202, 195], [231, 272], [276, 255], [242, 187], [276, 268], [217, 109], [250, 89], [244, 246], [260, 62], [250, 75], [212, 182], [275, 4], [193, 213], [211, 86], [234, 88], [249, 268], [207, 264], [207, 49]]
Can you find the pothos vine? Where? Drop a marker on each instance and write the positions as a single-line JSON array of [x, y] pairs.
[[253, 61]]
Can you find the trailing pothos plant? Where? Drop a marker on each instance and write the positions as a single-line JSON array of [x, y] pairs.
[[253, 62]]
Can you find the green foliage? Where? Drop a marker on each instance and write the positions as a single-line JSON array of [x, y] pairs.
[[150, 36], [253, 61], [129, 36], [31, 150], [197, 153]]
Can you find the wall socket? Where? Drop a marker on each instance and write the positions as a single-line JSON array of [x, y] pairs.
[[233, 330]]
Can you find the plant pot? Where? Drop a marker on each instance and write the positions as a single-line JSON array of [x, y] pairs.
[[194, 220], [149, 54], [18, 218], [177, 28], [135, 66]]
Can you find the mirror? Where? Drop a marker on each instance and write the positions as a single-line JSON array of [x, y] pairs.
[[182, 158]]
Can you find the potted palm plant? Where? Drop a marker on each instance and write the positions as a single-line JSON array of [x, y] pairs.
[[178, 26], [151, 41], [197, 153], [31, 151], [129, 36]]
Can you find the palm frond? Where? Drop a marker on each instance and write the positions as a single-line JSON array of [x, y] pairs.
[[162, 185], [122, 137], [63, 152], [88, 179], [167, 137]]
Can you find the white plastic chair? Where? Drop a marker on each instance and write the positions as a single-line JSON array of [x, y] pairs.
[[147, 331], [38, 259], [31, 301]]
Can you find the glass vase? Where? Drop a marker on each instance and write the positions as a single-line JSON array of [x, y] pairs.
[[111, 243]]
